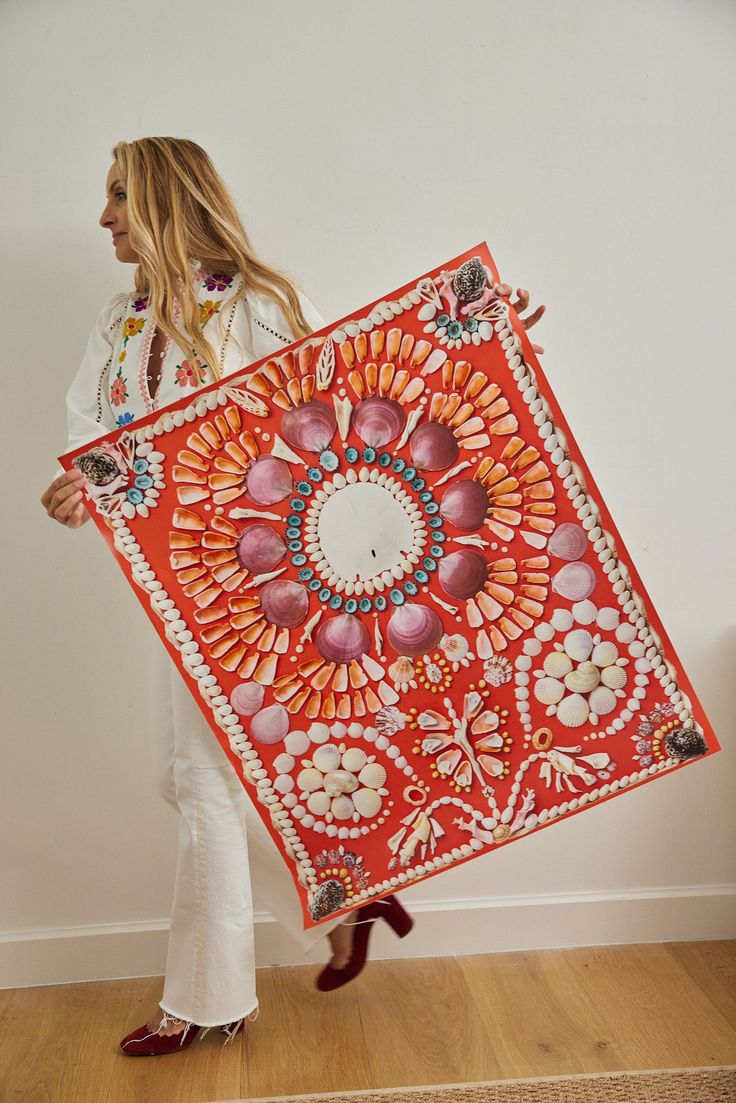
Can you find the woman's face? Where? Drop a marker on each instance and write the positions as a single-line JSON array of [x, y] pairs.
[[115, 215]]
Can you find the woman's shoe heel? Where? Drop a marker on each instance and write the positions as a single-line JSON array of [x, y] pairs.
[[397, 918]]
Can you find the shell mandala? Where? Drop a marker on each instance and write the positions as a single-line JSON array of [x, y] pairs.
[[381, 564]]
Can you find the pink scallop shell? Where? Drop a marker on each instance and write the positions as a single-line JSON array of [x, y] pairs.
[[247, 698], [309, 427], [414, 629], [284, 603], [270, 725], [433, 447], [260, 548], [575, 581], [268, 480], [568, 541], [463, 573], [342, 638], [378, 420], [465, 505]]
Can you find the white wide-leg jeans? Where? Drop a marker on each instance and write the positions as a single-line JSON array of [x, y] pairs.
[[223, 843]]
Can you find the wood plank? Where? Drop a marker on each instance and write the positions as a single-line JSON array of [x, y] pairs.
[[56, 1041], [712, 965], [303, 1040], [420, 1025]]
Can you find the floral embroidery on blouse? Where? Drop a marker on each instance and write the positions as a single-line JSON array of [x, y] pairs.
[[124, 419], [190, 373], [207, 310], [140, 304], [119, 390], [217, 282]]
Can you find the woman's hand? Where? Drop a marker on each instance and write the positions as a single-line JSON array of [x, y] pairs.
[[522, 303], [63, 500]]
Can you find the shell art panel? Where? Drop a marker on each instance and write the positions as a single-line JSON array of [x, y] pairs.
[[382, 566]]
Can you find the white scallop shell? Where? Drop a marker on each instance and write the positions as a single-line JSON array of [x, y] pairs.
[[342, 808], [367, 802], [354, 759], [584, 679], [283, 763], [557, 664], [297, 742], [573, 711], [309, 780], [326, 757], [319, 803], [319, 733], [602, 700], [614, 677], [604, 654], [579, 644], [373, 775], [549, 691]]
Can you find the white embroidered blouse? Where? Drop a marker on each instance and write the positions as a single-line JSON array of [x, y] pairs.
[[110, 389]]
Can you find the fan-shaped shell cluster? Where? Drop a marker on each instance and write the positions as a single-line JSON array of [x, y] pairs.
[[342, 784]]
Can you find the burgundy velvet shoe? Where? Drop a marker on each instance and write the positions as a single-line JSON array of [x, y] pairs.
[[388, 908], [145, 1043]]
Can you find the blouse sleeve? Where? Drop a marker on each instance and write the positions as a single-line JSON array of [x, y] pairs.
[[89, 414]]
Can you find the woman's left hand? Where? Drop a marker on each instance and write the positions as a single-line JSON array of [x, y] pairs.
[[521, 304]]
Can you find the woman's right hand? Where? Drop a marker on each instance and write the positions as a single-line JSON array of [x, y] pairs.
[[63, 500]]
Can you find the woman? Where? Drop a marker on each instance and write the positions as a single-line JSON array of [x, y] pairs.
[[203, 307]]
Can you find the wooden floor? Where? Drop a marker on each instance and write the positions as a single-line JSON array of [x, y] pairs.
[[421, 1021]]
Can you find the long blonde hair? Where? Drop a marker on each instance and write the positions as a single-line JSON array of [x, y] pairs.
[[179, 211]]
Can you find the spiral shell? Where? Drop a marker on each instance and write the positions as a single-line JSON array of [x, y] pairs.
[[414, 629], [247, 698], [573, 711], [574, 581], [378, 420], [465, 505], [309, 427], [568, 541], [268, 480], [463, 573], [604, 654], [372, 776], [433, 447], [557, 664], [584, 679], [260, 548], [284, 603], [340, 781], [326, 757], [549, 691], [270, 725], [602, 701], [367, 802], [579, 644], [342, 638], [683, 743]]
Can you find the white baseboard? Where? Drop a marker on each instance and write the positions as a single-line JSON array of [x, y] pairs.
[[443, 928]]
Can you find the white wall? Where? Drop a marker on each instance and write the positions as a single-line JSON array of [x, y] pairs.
[[365, 143]]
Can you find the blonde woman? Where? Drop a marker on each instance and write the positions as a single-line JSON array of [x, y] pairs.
[[203, 306]]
